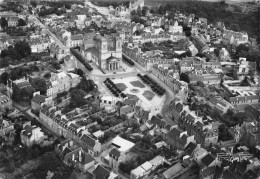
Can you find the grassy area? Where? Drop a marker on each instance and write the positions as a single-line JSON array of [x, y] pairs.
[[148, 95], [137, 84], [121, 86]]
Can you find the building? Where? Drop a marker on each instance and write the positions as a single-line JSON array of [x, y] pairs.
[[5, 127], [60, 82], [5, 103], [106, 53], [31, 135], [36, 102], [175, 28], [12, 21], [118, 151], [92, 146], [102, 173], [220, 104], [178, 139], [143, 170], [73, 155], [173, 171], [236, 38]]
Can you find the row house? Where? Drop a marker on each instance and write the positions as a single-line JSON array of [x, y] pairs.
[[73, 40], [68, 128], [135, 54], [209, 79], [240, 102], [143, 170], [170, 78], [40, 43], [60, 82], [148, 37], [178, 139], [205, 131], [200, 43]]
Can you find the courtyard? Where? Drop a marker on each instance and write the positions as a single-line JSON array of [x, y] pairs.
[[135, 89]]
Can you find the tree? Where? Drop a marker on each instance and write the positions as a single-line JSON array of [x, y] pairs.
[[139, 11], [21, 22], [33, 3], [77, 97], [80, 72], [23, 48], [4, 77], [27, 92], [39, 84], [201, 84], [47, 75], [4, 23], [4, 62], [185, 77]]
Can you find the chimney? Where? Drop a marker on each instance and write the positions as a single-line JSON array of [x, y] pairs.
[[73, 157], [80, 155]]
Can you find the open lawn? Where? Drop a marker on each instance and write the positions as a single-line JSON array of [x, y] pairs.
[[137, 84], [132, 97], [148, 95], [121, 86]]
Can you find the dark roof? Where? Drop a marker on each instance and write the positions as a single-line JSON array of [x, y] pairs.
[[101, 173], [228, 175], [114, 152], [38, 99], [88, 140], [190, 148], [65, 152], [218, 172], [208, 159], [249, 175], [87, 158], [129, 102], [27, 130]]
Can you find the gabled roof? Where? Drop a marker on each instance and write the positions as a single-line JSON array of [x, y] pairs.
[[229, 175], [115, 153], [101, 173], [208, 159], [190, 148], [88, 140], [38, 99], [87, 158]]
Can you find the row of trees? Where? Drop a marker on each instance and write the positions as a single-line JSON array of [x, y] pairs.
[[113, 88], [81, 59], [129, 61], [154, 85]]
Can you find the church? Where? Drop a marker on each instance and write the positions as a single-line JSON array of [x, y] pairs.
[[106, 52]]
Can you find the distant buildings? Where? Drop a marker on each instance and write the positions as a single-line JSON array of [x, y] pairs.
[[236, 38]]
